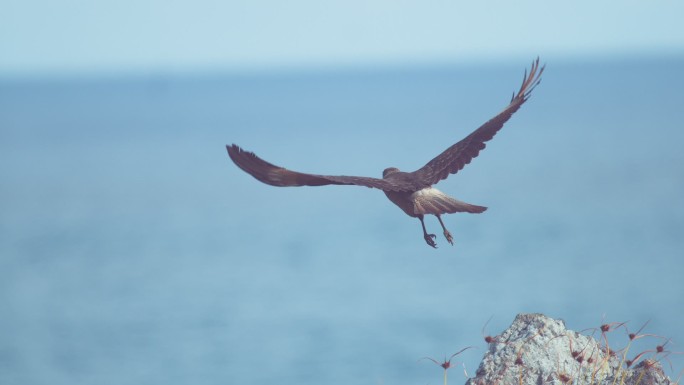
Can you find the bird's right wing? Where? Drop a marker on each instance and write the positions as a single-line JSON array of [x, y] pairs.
[[282, 177], [454, 158]]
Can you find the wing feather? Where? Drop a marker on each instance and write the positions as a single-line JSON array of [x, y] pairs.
[[454, 158], [278, 176]]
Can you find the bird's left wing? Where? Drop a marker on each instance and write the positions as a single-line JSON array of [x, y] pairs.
[[282, 177], [454, 158]]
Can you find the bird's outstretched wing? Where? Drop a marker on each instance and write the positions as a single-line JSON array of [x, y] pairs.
[[454, 158], [282, 177]]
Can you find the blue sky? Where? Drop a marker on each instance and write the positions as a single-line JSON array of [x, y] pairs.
[[39, 37]]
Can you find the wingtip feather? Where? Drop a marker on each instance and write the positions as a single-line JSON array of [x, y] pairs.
[[531, 80]]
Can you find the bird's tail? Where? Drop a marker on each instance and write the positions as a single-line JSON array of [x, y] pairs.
[[456, 206], [433, 201]]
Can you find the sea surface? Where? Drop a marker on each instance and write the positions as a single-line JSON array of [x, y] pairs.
[[133, 251]]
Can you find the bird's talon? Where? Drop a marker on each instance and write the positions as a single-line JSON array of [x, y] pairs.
[[430, 239], [448, 237]]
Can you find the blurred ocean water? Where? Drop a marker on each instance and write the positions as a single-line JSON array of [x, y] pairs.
[[132, 251]]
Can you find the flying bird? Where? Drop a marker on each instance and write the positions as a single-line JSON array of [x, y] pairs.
[[411, 191]]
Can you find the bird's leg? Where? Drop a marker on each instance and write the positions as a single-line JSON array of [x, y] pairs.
[[429, 238], [447, 234]]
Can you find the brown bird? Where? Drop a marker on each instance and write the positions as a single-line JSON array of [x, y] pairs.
[[411, 191]]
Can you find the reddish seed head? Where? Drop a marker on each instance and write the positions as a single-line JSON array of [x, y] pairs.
[[519, 361], [636, 358], [649, 364], [633, 336], [447, 363], [661, 348], [489, 339], [605, 328], [575, 354], [564, 378], [579, 359]]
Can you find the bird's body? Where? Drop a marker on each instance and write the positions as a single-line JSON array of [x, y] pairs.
[[427, 200], [413, 192]]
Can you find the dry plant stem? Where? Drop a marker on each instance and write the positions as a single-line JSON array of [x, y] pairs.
[[591, 380], [624, 374], [603, 364], [579, 373], [578, 356], [680, 377], [641, 375], [624, 357], [591, 368]]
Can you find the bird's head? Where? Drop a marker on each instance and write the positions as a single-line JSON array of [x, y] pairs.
[[389, 171]]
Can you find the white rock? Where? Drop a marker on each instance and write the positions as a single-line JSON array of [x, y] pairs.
[[538, 350]]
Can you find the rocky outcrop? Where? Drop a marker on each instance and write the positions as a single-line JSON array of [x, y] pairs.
[[538, 350]]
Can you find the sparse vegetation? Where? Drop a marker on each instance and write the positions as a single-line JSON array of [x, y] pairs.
[[602, 355]]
